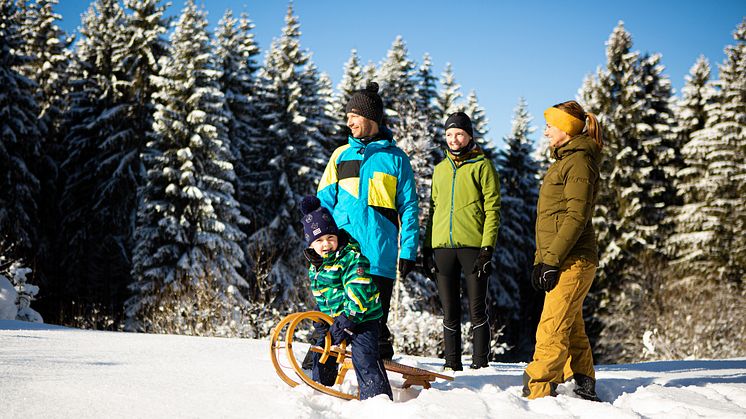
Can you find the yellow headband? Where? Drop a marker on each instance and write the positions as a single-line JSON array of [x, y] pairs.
[[564, 121]]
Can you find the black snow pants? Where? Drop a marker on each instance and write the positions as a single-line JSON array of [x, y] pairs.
[[450, 263]]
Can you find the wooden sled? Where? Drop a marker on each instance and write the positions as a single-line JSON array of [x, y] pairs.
[[412, 376]]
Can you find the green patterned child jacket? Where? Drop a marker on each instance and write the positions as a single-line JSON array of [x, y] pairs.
[[342, 284]]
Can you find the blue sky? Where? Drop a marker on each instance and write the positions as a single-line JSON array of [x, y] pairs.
[[540, 50]]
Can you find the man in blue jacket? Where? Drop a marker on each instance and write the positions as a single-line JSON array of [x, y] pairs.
[[369, 187]]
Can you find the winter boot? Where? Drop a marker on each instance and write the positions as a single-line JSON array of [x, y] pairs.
[[481, 336], [452, 340], [585, 387]]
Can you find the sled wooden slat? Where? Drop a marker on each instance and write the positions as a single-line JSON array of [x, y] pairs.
[[413, 376]]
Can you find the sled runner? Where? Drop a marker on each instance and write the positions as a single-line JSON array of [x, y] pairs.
[[412, 376]]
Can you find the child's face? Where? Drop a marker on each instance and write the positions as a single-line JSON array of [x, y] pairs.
[[325, 244]]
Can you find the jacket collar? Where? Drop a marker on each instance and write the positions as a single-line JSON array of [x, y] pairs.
[[384, 138], [580, 142]]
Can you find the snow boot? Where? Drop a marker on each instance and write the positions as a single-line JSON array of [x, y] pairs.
[[481, 339], [585, 387], [452, 341]]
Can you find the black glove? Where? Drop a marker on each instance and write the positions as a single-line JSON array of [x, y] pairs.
[[547, 278], [313, 257], [405, 267], [428, 263], [535, 277], [483, 264], [341, 329]]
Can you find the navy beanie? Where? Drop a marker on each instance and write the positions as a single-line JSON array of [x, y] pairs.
[[460, 120], [367, 103], [317, 221]]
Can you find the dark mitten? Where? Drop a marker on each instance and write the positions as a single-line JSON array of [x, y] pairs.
[[483, 264], [548, 277], [314, 258], [405, 267], [428, 263], [341, 329], [535, 273]]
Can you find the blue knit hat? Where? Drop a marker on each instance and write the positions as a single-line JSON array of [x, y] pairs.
[[317, 221]]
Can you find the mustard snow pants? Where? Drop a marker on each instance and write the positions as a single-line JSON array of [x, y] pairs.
[[562, 347]]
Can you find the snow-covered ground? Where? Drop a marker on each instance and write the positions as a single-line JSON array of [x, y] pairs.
[[48, 371]]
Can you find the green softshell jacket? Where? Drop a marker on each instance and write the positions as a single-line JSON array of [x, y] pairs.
[[464, 204], [564, 230], [342, 284]]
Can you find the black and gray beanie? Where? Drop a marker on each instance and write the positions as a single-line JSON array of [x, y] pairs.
[[460, 120], [317, 221], [367, 103]]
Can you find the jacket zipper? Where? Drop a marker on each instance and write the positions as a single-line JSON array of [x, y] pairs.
[[453, 193]]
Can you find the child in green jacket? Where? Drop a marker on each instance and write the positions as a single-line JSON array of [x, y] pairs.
[[343, 289]]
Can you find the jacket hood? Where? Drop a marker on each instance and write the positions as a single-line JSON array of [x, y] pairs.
[[580, 142]]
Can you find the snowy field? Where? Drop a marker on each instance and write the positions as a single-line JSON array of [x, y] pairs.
[[54, 372]]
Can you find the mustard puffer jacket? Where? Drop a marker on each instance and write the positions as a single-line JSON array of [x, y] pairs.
[[564, 230]]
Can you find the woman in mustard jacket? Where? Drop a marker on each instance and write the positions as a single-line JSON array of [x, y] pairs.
[[461, 236], [566, 253]]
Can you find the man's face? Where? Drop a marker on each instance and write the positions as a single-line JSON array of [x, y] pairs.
[[456, 138], [325, 244], [361, 126]]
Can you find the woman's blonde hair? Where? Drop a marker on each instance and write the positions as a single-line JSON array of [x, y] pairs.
[[592, 126]]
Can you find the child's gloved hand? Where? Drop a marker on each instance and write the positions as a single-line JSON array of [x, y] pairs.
[[341, 329], [313, 257]]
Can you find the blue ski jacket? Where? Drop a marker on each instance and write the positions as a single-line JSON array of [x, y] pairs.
[[370, 190]]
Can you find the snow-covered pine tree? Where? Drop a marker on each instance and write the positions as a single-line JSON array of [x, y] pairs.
[[515, 303], [662, 143], [632, 100], [693, 223], [187, 236], [47, 47], [415, 307], [614, 97], [396, 76], [297, 159], [369, 73], [353, 79], [20, 138], [95, 114], [479, 123], [445, 104], [318, 110], [731, 129], [449, 95], [426, 92], [236, 52]]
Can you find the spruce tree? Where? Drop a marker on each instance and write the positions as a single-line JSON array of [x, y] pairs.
[[445, 104], [479, 124], [293, 124], [20, 138], [353, 79], [415, 305], [426, 90], [687, 244], [514, 301], [236, 53], [396, 78], [187, 250]]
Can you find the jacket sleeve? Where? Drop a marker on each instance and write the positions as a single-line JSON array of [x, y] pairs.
[[578, 193], [491, 199], [409, 211], [327, 190], [360, 291]]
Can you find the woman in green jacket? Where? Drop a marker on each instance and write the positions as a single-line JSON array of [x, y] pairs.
[[461, 236], [566, 253]]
